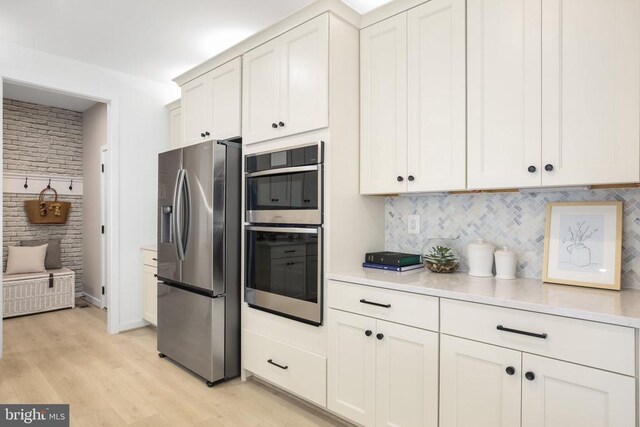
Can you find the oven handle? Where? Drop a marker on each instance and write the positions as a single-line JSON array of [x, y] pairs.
[[283, 171], [283, 229]]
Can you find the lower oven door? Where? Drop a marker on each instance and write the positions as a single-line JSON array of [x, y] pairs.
[[284, 271]]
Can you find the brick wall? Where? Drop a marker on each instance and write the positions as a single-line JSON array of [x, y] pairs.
[[43, 140]]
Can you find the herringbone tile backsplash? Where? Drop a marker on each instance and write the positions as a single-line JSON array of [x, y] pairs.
[[516, 220]]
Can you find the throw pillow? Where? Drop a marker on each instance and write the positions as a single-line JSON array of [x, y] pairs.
[[26, 259], [53, 260]]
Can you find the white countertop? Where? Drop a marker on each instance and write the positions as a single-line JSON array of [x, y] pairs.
[[615, 307]]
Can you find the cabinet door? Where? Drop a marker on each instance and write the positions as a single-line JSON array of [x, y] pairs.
[[175, 128], [150, 295], [590, 91], [225, 92], [562, 394], [304, 77], [352, 364], [437, 99], [406, 376], [261, 93], [503, 90], [196, 110], [383, 104], [475, 388]]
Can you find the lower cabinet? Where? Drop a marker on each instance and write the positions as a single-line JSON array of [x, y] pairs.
[[382, 373], [150, 286], [482, 385]]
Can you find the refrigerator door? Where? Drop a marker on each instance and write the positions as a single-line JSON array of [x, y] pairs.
[[203, 265], [169, 166], [191, 330]]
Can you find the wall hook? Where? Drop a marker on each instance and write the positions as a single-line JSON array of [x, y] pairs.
[[71, 186], [26, 182], [49, 185]]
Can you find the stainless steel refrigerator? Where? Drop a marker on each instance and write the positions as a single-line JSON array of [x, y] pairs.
[[199, 258]]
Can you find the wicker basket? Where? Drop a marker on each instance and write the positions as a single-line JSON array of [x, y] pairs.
[[35, 293], [43, 212]]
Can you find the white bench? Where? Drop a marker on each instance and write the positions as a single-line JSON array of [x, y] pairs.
[[38, 292]]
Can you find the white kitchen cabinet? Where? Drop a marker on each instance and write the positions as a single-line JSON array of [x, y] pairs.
[[211, 105], [479, 384], [382, 373], [285, 83], [560, 394], [590, 91], [175, 128], [413, 101], [150, 286], [503, 93]]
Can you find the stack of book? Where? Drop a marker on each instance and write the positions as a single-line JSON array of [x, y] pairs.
[[393, 261]]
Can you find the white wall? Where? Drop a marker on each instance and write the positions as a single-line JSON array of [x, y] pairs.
[[94, 135], [138, 130]]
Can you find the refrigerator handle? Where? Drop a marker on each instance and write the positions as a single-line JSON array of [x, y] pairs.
[[177, 217], [187, 223]]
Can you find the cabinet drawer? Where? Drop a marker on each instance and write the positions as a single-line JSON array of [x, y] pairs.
[[150, 258], [588, 343], [300, 372], [395, 306], [288, 251]]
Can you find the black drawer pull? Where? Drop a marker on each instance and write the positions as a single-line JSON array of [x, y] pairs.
[[516, 331], [377, 304], [154, 259], [275, 364], [290, 251]]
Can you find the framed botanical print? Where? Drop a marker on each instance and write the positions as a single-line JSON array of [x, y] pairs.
[[583, 244]]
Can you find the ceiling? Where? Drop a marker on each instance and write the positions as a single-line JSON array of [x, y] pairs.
[[35, 95], [155, 39]]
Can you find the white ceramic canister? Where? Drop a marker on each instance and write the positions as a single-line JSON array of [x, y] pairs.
[[505, 263], [480, 255]]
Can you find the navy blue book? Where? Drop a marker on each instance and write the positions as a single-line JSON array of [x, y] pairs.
[[391, 267]]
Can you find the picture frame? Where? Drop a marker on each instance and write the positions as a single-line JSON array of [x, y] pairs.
[[583, 244]]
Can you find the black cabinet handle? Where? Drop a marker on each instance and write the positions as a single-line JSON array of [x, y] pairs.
[[510, 370], [517, 331], [207, 133], [155, 275], [379, 336], [377, 304], [154, 259], [411, 178], [368, 333], [548, 167], [202, 135], [307, 200], [290, 251], [281, 124], [400, 179], [531, 169], [274, 125], [276, 364], [530, 376]]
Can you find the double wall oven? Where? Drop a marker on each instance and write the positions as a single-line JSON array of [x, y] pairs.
[[283, 237]]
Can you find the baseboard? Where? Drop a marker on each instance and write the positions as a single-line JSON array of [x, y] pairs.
[[133, 325], [90, 298]]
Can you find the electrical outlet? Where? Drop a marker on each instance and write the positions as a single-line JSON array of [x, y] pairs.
[[413, 225]]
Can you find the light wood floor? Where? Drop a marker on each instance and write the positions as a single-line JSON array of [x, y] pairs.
[[111, 380]]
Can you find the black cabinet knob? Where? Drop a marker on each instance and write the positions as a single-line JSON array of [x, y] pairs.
[[274, 125], [202, 135], [207, 133], [410, 178], [379, 336], [530, 376], [368, 333], [510, 370], [281, 124], [531, 169], [548, 167], [400, 179]]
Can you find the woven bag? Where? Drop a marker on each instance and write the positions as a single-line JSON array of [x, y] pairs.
[[47, 212]]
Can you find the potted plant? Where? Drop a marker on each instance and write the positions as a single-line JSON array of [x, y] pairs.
[[441, 259]]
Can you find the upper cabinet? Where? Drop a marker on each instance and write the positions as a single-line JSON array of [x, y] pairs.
[[413, 101], [175, 127], [285, 83], [553, 92], [211, 105]]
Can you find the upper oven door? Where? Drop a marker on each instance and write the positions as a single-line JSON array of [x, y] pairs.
[[290, 195]]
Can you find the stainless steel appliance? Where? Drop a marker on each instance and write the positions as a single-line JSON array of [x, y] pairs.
[[199, 258], [285, 187], [283, 239]]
